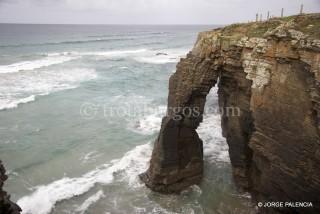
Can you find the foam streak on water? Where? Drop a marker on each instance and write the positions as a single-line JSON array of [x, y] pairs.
[[32, 65], [33, 80], [91, 200], [23, 87], [44, 198]]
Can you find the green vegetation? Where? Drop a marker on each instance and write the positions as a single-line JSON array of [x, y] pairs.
[[261, 28], [254, 29], [307, 23]]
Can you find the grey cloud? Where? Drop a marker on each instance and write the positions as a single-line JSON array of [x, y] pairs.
[[7, 1], [146, 11]]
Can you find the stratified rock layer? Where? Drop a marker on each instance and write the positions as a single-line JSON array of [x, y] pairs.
[[270, 72], [6, 206]]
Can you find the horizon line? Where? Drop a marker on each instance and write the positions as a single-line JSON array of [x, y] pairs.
[[25, 23]]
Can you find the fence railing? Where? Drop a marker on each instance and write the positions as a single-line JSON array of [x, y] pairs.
[[259, 16]]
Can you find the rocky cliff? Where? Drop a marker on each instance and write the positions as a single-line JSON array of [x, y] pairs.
[[6, 206], [268, 71]]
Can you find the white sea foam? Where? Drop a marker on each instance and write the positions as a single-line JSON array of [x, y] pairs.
[[19, 88], [105, 54], [91, 156], [53, 58], [7, 104], [90, 201], [214, 144], [44, 198], [134, 162], [162, 56], [141, 55], [35, 64], [145, 55], [149, 124], [124, 67], [116, 53]]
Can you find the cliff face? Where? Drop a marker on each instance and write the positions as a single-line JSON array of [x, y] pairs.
[[270, 72], [6, 206]]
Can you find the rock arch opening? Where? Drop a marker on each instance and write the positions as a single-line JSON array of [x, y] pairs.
[[275, 138], [177, 159], [215, 147]]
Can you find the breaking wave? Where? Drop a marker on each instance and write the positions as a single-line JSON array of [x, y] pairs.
[[23, 87], [35, 64], [44, 198]]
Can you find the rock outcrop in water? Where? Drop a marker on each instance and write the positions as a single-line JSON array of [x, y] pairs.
[[270, 72], [6, 206]]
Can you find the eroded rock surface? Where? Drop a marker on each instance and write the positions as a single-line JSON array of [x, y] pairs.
[[270, 71], [6, 206]]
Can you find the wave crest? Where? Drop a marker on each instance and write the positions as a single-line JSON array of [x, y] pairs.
[[35, 64], [44, 198]]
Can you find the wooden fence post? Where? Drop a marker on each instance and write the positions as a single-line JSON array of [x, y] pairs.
[[301, 9]]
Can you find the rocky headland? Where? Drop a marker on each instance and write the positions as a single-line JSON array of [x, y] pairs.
[[270, 71]]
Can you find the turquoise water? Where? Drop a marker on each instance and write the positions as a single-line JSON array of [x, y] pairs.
[[79, 109]]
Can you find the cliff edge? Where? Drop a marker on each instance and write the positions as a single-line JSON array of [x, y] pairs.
[[270, 72]]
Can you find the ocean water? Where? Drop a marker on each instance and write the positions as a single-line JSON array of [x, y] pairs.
[[80, 107]]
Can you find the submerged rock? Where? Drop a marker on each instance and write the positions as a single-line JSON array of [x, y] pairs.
[[161, 54], [270, 73]]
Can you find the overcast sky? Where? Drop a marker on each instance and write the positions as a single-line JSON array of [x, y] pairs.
[[145, 11]]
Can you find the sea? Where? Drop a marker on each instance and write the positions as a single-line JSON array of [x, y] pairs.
[[80, 108]]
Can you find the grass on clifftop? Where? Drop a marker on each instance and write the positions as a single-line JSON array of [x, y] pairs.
[[253, 29], [308, 24]]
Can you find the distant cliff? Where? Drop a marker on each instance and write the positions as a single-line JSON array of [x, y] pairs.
[[271, 72]]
